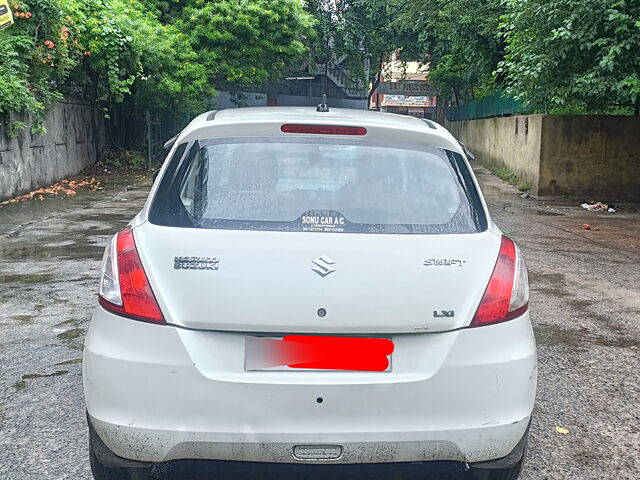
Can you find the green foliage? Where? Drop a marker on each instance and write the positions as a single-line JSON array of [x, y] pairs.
[[34, 55], [360, 30], [124, 159], [151, 54], [368, 30], [578, 56], [459, 39], [246, 41], [510, 177]]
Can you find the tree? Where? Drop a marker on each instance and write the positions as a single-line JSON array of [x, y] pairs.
[[458, 39], [246, 41], [361, 32], [573, 55], [37, 54], [148, 54]]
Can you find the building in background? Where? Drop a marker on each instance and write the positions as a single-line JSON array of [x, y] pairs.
[[304, 88], [416, 106], [405, 90]]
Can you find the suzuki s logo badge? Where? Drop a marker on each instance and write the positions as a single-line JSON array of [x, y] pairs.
[[322, 265]]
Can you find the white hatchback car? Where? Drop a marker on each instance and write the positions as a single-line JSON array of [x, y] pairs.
[[312, 287]]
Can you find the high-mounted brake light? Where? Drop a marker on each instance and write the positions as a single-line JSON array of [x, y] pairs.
[[124, 286], [507, 294], [323, 129]]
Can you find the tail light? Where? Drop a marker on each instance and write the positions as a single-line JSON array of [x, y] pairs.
[[323, 129], [507, 294], [124, 286]]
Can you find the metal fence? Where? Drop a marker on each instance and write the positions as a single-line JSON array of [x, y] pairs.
[[161, 126], [492, 106]]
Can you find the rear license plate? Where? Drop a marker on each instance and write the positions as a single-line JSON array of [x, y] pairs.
[[311, 352]]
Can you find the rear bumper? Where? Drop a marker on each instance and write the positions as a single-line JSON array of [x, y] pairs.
[[158, 393], [369, 471]]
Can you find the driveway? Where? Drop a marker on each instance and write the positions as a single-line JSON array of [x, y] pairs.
[[585, 306]]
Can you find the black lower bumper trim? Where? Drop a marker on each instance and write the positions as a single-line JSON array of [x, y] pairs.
[[106, 457], [510, 460], [443, 469]]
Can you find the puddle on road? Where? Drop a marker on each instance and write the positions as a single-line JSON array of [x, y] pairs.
[[57, 373], [548, 283], [70, 338], [20, 385], [86, 278], [105, 218], [16, 214], [25, 278], [73, 361], [64, 243], [71, 334], [553, 336], [580, 304], [73, 236], [24, 250], [621, 342], [68, 322], [553, 291], [497, 195], [535, 277], [582, 338], [549, 213], [23, 319]]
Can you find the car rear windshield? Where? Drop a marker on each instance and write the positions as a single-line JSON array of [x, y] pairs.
[[317, 185]]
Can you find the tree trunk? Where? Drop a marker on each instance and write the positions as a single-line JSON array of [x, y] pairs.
[[376, 82], [456, 96]]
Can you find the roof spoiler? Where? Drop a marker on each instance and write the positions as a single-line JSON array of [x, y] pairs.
[[169, 143]]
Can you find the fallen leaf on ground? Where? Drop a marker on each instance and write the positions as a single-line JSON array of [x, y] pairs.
[[68, 187], [561, 430]]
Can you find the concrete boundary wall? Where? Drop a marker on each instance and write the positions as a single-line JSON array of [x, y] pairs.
[[74, 140], [512, 142], [590, 156]]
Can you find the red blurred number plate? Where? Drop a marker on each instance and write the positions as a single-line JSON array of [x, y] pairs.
[[312, 352]]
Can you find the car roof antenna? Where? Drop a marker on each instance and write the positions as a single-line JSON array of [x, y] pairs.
[[323, 107]]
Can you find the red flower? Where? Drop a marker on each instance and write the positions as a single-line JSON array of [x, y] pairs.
[[49, 44], [86, 54], [16, 7]]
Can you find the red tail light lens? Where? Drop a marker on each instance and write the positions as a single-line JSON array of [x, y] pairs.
[[323, 129], [136, 297], [507, 294]]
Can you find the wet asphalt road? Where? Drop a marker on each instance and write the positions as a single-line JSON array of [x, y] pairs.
[[585, 307]]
